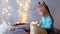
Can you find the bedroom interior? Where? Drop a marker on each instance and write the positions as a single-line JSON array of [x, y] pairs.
[[20, 16]]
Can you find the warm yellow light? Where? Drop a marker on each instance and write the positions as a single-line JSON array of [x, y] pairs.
[[3, 22], [3, 12], [25, 9], [22, 13], [20, 4], [6, 0], [9, 14], [28, 1], [24, 21], [26, 6], [24, 17], [9, 7]]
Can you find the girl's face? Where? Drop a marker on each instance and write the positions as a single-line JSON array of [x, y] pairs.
[[41, 10]]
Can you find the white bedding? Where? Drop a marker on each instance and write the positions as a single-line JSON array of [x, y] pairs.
[[4, 28]]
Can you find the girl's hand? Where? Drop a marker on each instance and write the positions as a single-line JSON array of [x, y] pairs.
[[39, 24]]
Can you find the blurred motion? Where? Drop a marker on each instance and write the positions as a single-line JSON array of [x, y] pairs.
[[29, 16]]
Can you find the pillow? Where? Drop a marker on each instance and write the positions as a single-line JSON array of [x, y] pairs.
[[34, 29], [4, 28]]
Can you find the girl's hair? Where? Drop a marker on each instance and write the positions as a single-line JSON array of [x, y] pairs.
[[46, 7]]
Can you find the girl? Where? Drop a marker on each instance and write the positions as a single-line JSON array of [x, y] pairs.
[[46, 18]]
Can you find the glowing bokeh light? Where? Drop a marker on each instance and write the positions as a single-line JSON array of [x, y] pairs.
[[20, 4], [17, 1], [9, 14], [26, 8], [23, 14], [23, 6], [19, 11], [9, 7], [28, 1], [3, 12], [24, 17], [3, 22], [6, 0]]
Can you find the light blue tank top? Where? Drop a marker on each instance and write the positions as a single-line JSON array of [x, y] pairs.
[[46, 22]]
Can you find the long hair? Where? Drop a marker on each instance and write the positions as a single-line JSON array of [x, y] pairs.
[[46, 7]]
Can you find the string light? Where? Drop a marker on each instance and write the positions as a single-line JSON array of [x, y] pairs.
[[28, 1], [4, 9], [23, 13], [19, 11], [6, 0], [3, 12], [20, 4], [9, 7], [9, 14], [3, 22], [17, 1], [25, 9], [25, 6], [24, 17]]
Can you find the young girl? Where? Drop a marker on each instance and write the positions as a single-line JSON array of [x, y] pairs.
[[46, 18]]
